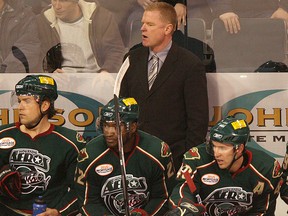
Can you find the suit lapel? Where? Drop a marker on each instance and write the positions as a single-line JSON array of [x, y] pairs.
[[141, 67]]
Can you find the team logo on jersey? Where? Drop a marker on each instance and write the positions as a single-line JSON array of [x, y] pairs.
[[192, 154], [7, 142], [104, 169], [33, 167], [80, 138], [276, 170], [83, 155], [112, 193], [210, 179], [228, 201], [190, 206], [165, 150]]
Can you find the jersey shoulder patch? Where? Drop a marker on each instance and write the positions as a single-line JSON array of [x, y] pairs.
[[192, 154], [165, 150]]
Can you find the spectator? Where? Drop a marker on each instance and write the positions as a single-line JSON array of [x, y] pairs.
[[148, 164], [226, 176], [19, 46], [40, 158], [229, 11], [89, 36], [174, 107]]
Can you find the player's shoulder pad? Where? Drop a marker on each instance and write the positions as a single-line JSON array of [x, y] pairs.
[[93, 149], [197, 155], [195, 152], [154, 145], [264, 163], [7, 126], [259, 158], [72, 135]]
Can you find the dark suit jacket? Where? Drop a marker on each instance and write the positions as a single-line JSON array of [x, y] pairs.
[[176, 107]]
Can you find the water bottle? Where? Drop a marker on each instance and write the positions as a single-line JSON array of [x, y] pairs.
[[39, 206]]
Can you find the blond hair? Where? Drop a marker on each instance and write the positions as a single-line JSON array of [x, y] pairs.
[[167, 12]]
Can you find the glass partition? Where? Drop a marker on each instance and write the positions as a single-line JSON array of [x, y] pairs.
[[55, 36]]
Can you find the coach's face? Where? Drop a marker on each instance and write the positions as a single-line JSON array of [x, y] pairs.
[[156, 33]]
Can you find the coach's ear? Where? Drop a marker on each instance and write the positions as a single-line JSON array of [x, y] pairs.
[[169, 29]]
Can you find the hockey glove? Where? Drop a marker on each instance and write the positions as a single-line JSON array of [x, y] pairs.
[[187, 209], [10, 183], [138, 212]]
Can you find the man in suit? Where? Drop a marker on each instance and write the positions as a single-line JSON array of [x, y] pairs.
[[175, 106]]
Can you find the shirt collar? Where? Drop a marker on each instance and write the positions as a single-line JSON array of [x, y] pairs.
[[161, 55]]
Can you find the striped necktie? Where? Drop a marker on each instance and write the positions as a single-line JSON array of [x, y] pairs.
[[152, 74]]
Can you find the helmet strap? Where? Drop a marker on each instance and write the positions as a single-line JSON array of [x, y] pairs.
[[41, 117], [234, 158], [130, 138], [130, 135]]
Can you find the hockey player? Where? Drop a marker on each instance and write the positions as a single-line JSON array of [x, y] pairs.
[[148, 163], [225, 177], [37, 158]]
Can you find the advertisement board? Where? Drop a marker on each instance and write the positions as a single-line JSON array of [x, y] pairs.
[[261, 99]]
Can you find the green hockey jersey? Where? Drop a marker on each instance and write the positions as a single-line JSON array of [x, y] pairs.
[[150, 177], [47, 165], [252, 190]]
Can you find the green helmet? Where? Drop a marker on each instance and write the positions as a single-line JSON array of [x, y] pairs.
[[42, 85], [231, 131], [128, 110]]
